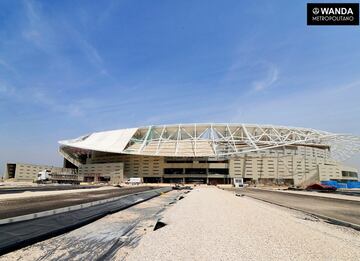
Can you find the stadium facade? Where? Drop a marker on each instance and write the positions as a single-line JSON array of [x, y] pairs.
[[212, 153]]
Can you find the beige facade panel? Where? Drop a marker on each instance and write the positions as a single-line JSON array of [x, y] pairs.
[[107, 172], [29, 172], [298, 166]]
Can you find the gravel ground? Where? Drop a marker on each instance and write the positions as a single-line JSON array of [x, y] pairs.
[[212, 224]]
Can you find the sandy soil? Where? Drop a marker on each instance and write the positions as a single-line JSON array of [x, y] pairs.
[[5, 184], [32, 194]]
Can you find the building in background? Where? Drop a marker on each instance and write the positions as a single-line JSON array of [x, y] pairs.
[[29, 172], [213, 153], [102, 173]]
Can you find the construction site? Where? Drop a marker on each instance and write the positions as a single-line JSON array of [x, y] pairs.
[[146, 193], [160, 222], [179, 130], [203, 153]]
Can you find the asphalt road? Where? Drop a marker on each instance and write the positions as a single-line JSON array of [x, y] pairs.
[[101, 239], [347, 211], [22, 206]]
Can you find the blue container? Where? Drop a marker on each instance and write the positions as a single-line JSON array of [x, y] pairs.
[[342, 185], [353, 184]]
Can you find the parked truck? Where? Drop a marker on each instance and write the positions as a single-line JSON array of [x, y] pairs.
[[49, 176], [43, 176]]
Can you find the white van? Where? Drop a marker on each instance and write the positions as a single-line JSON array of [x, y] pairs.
[[134, 181], [238, 182]]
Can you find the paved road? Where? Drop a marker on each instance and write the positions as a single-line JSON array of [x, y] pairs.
[[340, 209], [23, 206]]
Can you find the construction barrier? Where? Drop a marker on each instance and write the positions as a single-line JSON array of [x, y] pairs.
[[353, 184], [341, 185]]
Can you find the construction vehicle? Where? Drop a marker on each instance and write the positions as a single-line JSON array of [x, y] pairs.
[[49, 176]]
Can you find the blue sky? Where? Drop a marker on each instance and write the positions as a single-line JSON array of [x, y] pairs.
[[69, 68]]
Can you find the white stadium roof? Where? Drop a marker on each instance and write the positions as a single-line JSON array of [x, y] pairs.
[[211, 140], [107, 141]]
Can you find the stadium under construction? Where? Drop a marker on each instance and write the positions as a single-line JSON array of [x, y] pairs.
[[212, 154]]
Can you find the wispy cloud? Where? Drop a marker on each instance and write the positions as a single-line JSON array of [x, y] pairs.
[[39, 97], [310, 110], [6, 90], [37, 31], [91, 53], [7, 66], [48, 35], [44, 99], [51, 37], [271, 77], [247, 70]]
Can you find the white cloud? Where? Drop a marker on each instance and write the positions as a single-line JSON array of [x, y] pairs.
[[38, 97], [73, 109], [330, 108], [49, 35], [271, 78], [7, 66], [7, 90]]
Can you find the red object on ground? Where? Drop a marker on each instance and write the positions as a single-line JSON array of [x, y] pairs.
[[320, 187]]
